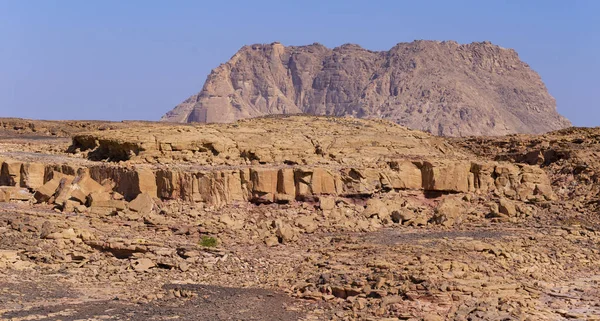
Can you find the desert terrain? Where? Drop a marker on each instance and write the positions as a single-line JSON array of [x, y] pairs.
[[295, 218]]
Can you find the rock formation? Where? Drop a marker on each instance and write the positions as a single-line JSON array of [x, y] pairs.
[[346, 219], [441, 87]]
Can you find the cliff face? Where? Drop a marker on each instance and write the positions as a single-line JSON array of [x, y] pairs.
[[441, 87]]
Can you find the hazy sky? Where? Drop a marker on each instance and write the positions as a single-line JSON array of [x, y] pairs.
[[117, 59]]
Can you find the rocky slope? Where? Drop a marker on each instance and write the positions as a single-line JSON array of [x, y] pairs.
[[297, 218], [441, 87]]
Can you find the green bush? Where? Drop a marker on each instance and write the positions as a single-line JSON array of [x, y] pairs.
[[208, 241]]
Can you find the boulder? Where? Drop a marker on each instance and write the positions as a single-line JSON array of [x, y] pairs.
[[86, 184], [402, 215], [142, 265], [306, 223], [507, 207], [47, 191], [314, 181], [449, 211], [146, 181], [105, 200], [482, 176], [326, 203], [143, 203], [356, 181], [376, 207]]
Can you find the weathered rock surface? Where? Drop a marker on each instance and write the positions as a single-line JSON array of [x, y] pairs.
[[269, 160], [441, 87], [377, 223]]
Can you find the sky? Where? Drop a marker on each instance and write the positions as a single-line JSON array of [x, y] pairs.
[[121, 60]]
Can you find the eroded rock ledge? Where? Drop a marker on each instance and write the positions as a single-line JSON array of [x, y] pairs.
[[277, 160]]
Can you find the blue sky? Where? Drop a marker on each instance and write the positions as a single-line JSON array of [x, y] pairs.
[[115, 60]]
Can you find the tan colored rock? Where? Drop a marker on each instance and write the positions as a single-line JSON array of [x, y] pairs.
[[16, 193], [406, 175], [146, 180], [507, 177], [285, 233], [306, 223], [285, 182], [86, 184], [326, 203], [264, 184], [142, 265], [402, 215], [449, 211], [32, 175], [376, 207], [66, 234], [314, 181], [450, 176], [357, 181], [10, 173], [143, 203], [483, 179], [104, 200], [4, 196], [507, 207]]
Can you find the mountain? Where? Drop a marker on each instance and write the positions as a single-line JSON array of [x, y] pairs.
[[444, 88]]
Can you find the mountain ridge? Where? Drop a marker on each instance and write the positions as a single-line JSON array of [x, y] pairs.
[[444, 88]]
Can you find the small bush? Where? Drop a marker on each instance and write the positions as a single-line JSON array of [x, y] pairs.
[[208, 241]]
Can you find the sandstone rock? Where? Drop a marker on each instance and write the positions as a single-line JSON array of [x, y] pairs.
[[32, 175], [449, 211], [271, 241], [105, 200], [358, 181], [306, 223], [402, 215], [376, 207], [143, 203], [314, 181], [285, 233], [142, 265], [4, 196], [407, 175], [9, 255], [507, 207], [69, 206], [46, 191], [86, 184], [285, 182], [326, 203], [264, 184], [10, 173], [15, 193], [146, 182], [450, 176], [67, 234]]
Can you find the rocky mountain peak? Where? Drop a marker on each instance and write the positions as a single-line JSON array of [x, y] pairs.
[[442, 87]]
